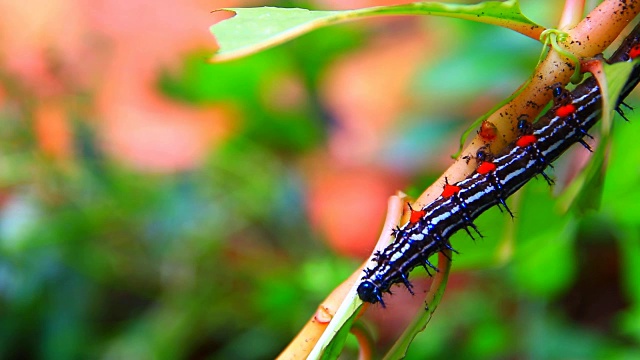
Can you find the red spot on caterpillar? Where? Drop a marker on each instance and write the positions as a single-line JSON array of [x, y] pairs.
[[449, 190], [458, 212], [565, 110], [488, 131], [634, 52], [416, 215], [486, 167], [526, 140]]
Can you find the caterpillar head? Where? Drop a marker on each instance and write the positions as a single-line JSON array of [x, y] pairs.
[[369, 292]]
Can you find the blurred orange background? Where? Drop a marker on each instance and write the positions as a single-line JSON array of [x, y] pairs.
[[113, 51], [155, 205]]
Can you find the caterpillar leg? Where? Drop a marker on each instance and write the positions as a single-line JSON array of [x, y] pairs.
[[407, 283]]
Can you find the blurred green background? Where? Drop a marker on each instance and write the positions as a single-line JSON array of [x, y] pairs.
[[129, 230]]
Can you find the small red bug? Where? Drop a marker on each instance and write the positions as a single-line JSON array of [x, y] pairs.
[[488, 131]]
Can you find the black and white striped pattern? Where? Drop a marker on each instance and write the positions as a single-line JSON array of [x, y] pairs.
[[416, 241]]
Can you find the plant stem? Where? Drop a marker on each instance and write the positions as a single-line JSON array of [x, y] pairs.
[[571, 14], [590, 37]]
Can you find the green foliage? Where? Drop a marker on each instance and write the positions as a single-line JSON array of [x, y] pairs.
[[334, 348], [97, 260], [254, 29], [241, 84], [585, 192]]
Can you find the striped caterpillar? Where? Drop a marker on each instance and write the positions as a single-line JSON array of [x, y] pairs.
[[495, 178]]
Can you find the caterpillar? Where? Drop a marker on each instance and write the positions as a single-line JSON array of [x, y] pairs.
[[495, 178]]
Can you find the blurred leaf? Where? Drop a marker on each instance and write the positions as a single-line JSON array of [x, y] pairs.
[[489, 339], [547, 265], [463, 318], [623, 174], [199, 82], [255, 29], [585, 191], [544, 262], [630, 323], [247, 85], [549, 336], [630, 253]]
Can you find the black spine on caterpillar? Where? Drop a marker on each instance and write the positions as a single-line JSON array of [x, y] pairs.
[[538, 146]]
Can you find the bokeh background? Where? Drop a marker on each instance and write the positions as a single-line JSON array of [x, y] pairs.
[[156, 206]]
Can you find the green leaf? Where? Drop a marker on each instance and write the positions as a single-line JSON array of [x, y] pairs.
[[400, 348], [255, 29], [543, 262], [334, 336], [334, 348], [630, 261], [547, 265], [615, 77], [620, 202], [591, 181], [585, 192]]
